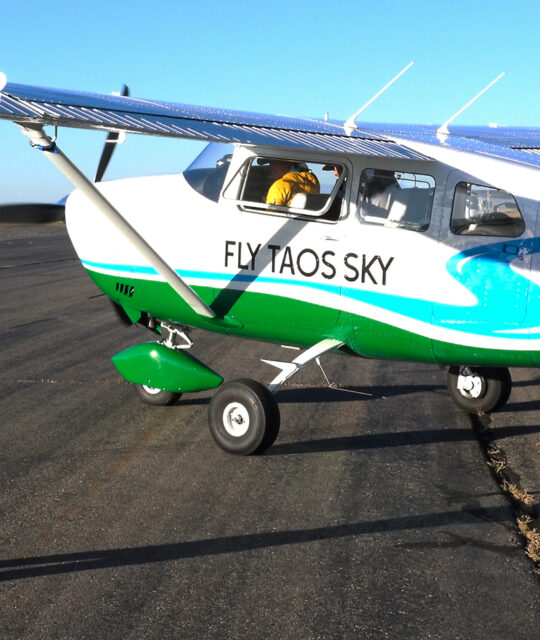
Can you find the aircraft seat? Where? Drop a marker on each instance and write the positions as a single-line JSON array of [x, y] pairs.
[[310, 201], [257, 184]]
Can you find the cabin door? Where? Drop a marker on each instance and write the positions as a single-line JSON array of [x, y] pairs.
[[485, 246]]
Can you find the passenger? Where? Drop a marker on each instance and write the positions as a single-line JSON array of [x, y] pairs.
[[380, 188], [288, 181], [337, 170]]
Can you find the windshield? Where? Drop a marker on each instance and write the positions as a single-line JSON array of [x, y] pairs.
[[206, 174]]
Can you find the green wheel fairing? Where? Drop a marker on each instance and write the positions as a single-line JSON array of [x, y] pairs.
[[159, 367], [285, 320]]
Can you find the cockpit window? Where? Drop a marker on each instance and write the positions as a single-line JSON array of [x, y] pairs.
[[206, 174], [290, 186], [396, 198], [485, 211]]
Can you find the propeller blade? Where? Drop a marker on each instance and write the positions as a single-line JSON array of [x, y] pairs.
[[110, 144]]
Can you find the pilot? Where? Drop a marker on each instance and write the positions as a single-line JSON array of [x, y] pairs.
[[289, 179]]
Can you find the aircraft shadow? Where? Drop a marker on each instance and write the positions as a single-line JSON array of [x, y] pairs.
[[349, 393], [193, 401], [509, 432], [46, 565], [384, 440], [329, 394], [526, 383], [229, 296], [355, 393], [455, 541], [528, 405]]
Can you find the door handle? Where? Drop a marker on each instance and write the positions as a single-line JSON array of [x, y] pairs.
[[514, 250]]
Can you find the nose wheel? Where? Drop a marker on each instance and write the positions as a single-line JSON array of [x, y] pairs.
[[156, 397], [474, 389], [243, 417]]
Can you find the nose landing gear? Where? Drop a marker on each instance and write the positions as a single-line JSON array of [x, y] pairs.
[[243, 414], [156, 397]]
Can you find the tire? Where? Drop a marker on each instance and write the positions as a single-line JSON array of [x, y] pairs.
[[484, 389], [156, 397], [243, 417]]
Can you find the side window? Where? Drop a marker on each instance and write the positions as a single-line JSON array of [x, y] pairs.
[[485, 211], [289, 186], [396, 199]]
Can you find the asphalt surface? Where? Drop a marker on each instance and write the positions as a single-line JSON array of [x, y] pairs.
[[374, 515]]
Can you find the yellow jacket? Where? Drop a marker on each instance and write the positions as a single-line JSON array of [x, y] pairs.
[[284, 189]]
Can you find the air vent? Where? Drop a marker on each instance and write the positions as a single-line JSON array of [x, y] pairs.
[[125, 289]]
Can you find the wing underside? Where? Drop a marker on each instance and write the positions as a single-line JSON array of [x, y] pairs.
[[27, 104]]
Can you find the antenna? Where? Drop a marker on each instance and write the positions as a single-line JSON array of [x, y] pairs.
[[350, 123], [443, 129]]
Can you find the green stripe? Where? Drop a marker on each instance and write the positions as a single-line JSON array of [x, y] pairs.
[[294, 322]]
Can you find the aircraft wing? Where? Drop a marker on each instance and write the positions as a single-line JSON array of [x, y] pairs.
[[516, 144], [31, 104]]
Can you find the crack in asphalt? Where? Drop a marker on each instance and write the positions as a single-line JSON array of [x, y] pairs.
[[505, 476]]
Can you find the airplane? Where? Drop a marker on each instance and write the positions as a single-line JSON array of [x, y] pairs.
[[415, 242]]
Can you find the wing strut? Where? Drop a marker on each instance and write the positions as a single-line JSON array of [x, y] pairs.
[[40, 140], [288, 369]]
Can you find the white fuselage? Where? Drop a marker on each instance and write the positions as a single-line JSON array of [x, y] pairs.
[[388, 274]]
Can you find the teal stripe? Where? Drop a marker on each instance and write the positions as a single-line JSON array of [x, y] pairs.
[[415, 309], [209, 275]]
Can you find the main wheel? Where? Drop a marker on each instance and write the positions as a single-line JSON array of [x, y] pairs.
[[243, 417], [476, 389], [156, 397]]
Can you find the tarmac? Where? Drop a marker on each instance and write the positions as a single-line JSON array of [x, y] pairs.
[[382, 510]]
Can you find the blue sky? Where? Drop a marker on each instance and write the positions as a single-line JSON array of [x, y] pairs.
[[301, 58]]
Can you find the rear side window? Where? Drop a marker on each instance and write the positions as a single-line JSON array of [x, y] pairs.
[[485, 211], [396, 199]]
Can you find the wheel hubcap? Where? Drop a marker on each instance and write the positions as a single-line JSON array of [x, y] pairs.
[[471, 386], [151, 390], [236, 419]]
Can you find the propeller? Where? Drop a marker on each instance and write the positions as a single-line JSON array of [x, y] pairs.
[[42, 212], [110, 144]]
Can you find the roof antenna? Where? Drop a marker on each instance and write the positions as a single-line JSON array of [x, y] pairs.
[[442, 131], [350, 125]]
